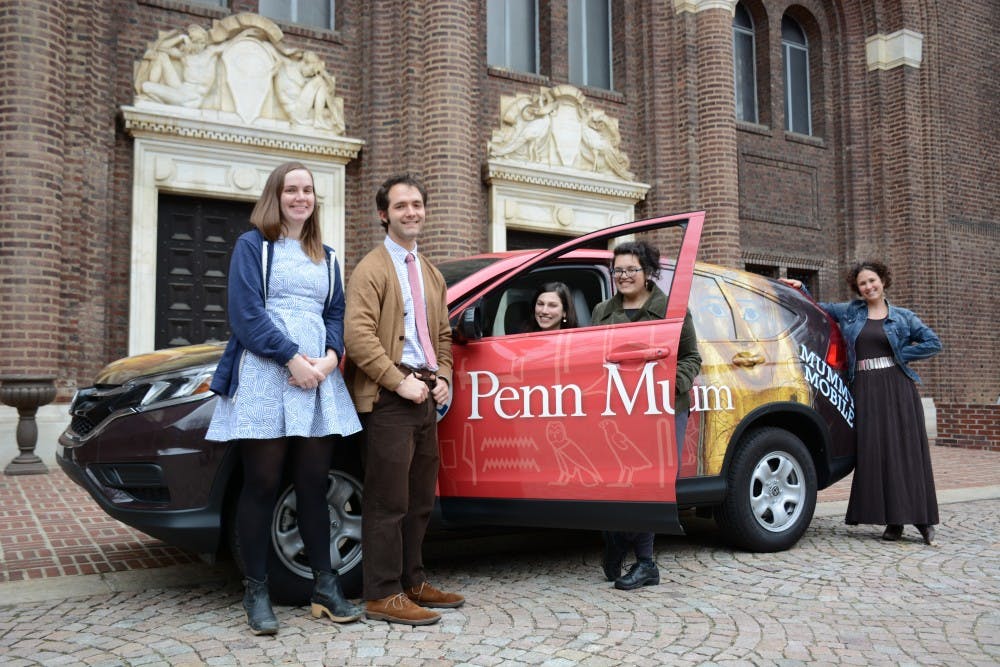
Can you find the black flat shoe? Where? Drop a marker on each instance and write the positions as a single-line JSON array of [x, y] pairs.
[[642, 573], [927, 532], [892, 532]]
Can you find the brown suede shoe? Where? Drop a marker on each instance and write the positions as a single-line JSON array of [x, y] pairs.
[[398, 609], [426, 595]]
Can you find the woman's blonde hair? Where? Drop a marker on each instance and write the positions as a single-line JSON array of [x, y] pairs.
[[266, 214]]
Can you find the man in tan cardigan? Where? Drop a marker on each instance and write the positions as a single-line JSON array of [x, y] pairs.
[[398, 369]]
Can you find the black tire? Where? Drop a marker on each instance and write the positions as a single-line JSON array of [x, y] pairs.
[[289, 576], [771, 492]]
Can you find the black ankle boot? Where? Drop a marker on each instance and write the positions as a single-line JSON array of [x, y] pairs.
[[327, 598], [642, 573], [257, 604]]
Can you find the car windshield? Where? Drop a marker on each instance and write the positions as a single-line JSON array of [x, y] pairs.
[[457, 270]]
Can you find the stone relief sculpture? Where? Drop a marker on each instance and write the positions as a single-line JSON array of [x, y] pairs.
[[240, 66], [556, 127]]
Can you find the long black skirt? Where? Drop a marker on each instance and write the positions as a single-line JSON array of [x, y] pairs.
[[893, 481]]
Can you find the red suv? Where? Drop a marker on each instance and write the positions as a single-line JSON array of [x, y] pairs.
[[571, 428]]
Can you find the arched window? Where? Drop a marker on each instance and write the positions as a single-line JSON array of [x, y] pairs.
[[795, 52], [744, 65]]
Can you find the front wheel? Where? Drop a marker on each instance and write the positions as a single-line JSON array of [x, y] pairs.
[[771, 492], [288, 572]]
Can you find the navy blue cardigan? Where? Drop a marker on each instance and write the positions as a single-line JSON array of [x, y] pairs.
[[251, 326]]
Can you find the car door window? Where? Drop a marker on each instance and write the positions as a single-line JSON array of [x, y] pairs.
[[710, 311], [509, 310]]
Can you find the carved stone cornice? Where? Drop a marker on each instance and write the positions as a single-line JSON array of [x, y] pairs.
[[151, 119], [695, 6], [571, 180]]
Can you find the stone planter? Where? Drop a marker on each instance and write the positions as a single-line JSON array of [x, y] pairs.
[[26, 393]]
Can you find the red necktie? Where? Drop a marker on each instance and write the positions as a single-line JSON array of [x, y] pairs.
[[420, 311]]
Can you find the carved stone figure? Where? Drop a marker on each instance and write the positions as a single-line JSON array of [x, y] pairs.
[[181, 69], [556, 127], [240, 66], [305, 92]]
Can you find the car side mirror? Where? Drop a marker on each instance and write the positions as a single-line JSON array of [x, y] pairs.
[[470, 324]]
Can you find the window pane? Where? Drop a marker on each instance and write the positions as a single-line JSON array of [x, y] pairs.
[[496, 29], [317, 13], [521, 35], [798, 90], [791, 32], [213, 3], [510, 34], [741, 18], [598, 44], [746, 88], [280, 10], [590, 43]]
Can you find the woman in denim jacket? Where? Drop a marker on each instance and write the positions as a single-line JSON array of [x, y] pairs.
[[893, 481]]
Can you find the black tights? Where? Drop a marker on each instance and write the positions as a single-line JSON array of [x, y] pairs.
[[263, 464]]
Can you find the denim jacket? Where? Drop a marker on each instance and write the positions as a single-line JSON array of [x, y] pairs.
[[910, 338], [252, 328]]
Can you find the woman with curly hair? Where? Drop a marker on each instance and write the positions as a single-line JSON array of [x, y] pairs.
[[635, 265], [893, 481]]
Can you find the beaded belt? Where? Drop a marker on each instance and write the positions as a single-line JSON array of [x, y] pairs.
[[876, 363]]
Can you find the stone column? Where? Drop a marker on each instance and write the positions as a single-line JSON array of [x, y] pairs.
[[32, 117], [716, 167], [451, 153]]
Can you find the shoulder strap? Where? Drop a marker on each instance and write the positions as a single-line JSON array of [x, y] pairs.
[[265, 261]]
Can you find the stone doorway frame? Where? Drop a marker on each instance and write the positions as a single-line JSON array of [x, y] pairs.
[[220, 160]]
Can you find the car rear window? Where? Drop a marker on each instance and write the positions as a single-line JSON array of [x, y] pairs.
[[765, 318]]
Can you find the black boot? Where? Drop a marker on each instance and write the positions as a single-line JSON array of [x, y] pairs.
[[327, 598], [642, 573], [927, 532], [257, 604], [611, 561]]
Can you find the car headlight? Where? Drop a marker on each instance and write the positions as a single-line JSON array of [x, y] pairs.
[[175, 386]]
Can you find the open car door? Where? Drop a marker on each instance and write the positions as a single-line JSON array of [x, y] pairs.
[[571, 428]]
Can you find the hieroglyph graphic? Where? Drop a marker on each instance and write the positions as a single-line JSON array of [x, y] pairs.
[[240, 66], [558, 128]]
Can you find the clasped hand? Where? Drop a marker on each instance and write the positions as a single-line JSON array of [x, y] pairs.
[[307, 372]]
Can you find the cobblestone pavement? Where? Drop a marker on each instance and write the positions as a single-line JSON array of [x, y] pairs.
[[841, 597]]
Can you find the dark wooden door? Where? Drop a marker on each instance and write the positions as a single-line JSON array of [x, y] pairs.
[[195, 238]]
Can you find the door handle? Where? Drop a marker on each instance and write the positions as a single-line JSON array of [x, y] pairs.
[[748, 359], [642, 354]]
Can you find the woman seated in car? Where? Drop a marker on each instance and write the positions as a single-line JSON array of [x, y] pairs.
[[553, 308]]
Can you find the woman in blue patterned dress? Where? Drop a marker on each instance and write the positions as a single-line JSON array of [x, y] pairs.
[[280, 390]]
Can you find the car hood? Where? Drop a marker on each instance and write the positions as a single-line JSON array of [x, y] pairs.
[[160, 361]]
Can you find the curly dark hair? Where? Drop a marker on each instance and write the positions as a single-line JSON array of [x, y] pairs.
[[880, 269], [649, 256]]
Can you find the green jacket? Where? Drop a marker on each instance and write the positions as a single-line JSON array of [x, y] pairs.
[[612, 311]]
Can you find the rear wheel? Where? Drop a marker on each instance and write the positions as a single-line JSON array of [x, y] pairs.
[[289, 575], [771, 492]]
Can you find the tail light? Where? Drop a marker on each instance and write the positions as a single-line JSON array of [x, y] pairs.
[[836, 352]]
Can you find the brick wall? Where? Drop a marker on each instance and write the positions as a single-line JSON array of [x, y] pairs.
[[969, 425], [902, 164]]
